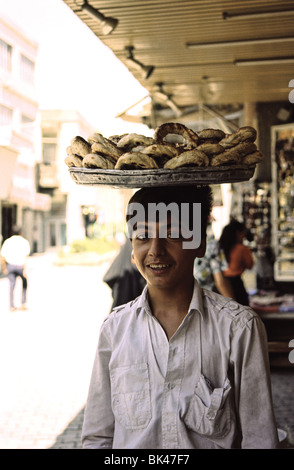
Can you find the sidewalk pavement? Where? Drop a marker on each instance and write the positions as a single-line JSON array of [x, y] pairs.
[[47, 355], [283, 399], [47, 351]]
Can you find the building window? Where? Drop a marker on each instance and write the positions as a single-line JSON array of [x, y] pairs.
[[49, 153], [52, 234], [26, 119], [49, 134], [49, 145], [5, 55], [27, 69], [27, 125], [6, 115]]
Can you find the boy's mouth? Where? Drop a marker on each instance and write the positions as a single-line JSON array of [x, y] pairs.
[[158, 266]]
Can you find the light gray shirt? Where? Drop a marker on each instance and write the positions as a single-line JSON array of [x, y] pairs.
[[207, 387]]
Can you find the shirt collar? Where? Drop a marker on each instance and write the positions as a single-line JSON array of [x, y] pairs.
[[195, 304], [197, 299]]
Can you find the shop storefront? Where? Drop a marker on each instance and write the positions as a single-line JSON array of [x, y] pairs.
[[267, 207]]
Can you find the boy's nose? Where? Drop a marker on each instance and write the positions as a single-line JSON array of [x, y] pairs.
[[157, 246]]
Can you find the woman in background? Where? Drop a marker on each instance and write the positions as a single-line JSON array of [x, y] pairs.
[[238, 256]]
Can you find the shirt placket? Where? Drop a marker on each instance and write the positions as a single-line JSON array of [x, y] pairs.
[[171, 392]]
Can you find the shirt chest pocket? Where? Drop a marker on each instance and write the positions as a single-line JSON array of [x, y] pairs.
[[209, 410], [130, 392]]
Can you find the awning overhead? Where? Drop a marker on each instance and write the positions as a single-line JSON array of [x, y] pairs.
[[214, 52]]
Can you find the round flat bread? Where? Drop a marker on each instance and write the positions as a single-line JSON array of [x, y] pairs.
[[189, 158], [225, 158], [79, 146], [190, 137], [161, 152], [116, 137], [211, 135], [252, 158], [158, 150], [135, 161], [244, 134], [132, 140], [106, 148], [243, 149], [210, 149], [73, 160], [96, 137], [94, 160]]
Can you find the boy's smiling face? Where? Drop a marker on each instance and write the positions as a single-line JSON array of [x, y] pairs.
[[163, 261]]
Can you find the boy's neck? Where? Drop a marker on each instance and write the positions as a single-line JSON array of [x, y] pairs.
[[170, 306]]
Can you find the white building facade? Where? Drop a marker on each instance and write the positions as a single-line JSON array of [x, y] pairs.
[[77, 211], [20, 142], [36, 190]]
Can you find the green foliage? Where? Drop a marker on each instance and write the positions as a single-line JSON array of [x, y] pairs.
[[96, 245]]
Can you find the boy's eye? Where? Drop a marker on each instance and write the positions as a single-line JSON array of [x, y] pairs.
[[173, 235], [142, 235]]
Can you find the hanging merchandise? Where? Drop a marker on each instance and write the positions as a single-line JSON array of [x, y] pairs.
[[283, 201]]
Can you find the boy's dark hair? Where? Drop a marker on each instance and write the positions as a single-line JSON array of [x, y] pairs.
[[177, 194]]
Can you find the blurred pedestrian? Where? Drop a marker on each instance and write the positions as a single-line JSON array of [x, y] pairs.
[[238, 256], [123, 277], [14, 253], [265, 260]]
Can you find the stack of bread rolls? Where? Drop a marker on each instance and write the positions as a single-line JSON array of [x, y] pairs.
[[173, 146]]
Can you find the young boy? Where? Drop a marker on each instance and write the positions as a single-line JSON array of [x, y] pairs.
[[179, 367]]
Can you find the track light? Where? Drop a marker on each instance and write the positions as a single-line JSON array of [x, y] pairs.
[[257, 14], [242, 42], [163, 98], [269, 61], [147, 69], [108, 24]]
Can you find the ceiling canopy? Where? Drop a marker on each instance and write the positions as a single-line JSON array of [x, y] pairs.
[[188, 53]]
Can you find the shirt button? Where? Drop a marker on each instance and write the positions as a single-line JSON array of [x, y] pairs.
[[170, 386], [233, 306]]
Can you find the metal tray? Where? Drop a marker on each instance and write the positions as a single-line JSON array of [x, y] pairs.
[[161, 177]]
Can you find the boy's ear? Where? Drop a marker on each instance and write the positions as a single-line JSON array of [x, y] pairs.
[[132, 257], [200, 252]]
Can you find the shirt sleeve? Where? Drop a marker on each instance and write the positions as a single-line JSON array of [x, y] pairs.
[[98, 425], [253, 387]]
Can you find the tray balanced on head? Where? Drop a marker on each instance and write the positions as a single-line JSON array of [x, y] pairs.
[[175, 155], [161, 177]]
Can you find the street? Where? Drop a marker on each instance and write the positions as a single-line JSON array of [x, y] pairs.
[[47, 351]]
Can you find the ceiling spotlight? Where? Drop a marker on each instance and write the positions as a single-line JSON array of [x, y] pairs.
[[163, 98], [147, 69], [108, 24]]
